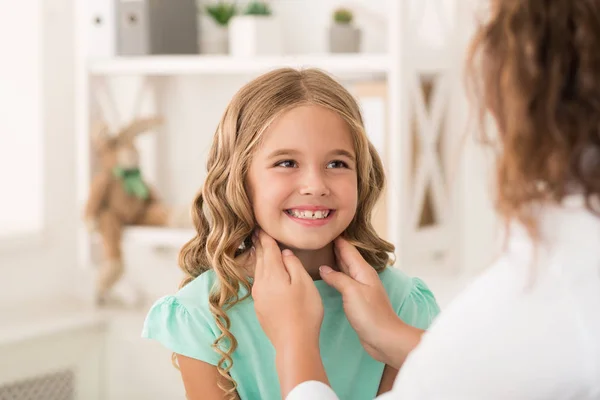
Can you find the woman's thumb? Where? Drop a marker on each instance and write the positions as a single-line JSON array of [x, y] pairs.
[[338, 280]]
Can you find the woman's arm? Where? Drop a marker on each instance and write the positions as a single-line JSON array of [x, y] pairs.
[[395, 342], [289, 309], [368, 308], [387, 379], [298, 362], [200, 379]]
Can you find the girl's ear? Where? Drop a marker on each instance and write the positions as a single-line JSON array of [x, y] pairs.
[[138, 126]]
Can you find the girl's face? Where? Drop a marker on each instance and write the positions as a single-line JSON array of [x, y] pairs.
[[302, 179]]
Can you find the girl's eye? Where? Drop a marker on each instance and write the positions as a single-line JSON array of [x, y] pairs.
[[337, 164], [286, 164]]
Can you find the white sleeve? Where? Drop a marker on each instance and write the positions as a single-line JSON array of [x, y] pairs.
[[313, 390]]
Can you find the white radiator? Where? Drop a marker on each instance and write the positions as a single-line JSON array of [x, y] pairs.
[[50, 386], [52, 355]]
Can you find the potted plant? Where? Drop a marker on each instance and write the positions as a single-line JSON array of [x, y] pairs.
[[344, 37], [214, 32], [256, 31]]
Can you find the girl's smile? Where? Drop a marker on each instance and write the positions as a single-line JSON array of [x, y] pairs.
[[311, 216]]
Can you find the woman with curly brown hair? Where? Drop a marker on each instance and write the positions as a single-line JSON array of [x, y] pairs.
[[529, 327]]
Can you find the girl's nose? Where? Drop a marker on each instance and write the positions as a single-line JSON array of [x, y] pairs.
[[313, 184]]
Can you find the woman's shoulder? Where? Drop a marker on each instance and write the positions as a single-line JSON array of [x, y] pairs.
[[410, 296]]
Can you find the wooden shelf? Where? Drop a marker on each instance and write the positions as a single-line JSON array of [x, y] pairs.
[[342, 64]]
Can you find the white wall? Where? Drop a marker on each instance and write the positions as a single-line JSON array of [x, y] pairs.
[[21, 83], [46, 267], [479, 236]]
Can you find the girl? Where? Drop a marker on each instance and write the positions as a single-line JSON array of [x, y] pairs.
[[529, 327], [290, 156]]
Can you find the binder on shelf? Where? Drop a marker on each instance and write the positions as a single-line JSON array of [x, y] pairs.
[[157, 27], [132, 28], [101, 29]]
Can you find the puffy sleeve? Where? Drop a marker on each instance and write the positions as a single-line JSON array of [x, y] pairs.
[[183, 330], [420, 307]]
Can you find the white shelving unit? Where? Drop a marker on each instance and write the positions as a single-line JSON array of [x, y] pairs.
[[215, 64], [418, 163], [346, 65]]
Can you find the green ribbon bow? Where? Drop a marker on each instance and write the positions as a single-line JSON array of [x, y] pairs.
[[132, 181]]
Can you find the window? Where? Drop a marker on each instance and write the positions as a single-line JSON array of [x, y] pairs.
[[21, 119]]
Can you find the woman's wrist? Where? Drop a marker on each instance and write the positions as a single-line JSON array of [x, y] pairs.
[[299, 360], [398, 339]]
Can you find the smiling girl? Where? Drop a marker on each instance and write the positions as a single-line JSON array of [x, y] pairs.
[[291, 157]]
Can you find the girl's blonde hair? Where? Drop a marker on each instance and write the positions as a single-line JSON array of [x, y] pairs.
[[222, 212]]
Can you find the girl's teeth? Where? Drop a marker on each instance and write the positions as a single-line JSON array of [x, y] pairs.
[[309, 214]]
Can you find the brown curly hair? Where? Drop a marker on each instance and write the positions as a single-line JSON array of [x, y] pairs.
[[222, 212], [535, 67]]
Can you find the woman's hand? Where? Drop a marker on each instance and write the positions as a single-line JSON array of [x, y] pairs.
[[286, 300], [368, 309], [289, 309]]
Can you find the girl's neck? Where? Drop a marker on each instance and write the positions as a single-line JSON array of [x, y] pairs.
[[313, 259]]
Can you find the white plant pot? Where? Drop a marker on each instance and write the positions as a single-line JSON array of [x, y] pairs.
[[344, 39], [212, 37], [252, 35]]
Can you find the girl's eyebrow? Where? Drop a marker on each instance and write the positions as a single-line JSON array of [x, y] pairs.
[[342, 152], [282, 152], [292, 152]]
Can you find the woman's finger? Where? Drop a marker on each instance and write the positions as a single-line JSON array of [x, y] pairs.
[[343, 266], [339, 281], [272, 259], [356, 265], [294, 267]]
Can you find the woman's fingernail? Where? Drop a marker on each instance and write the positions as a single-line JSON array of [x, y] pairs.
[[325, 269], [287, 252]]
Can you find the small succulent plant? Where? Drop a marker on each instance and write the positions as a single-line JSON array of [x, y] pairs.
[[256, 7], [221, 12], [343, 16]]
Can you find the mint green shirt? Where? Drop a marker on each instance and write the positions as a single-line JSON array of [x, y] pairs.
[[184, 324]]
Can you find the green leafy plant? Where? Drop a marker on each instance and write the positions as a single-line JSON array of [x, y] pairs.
[[221, 12], [258, 8], [343, 16]]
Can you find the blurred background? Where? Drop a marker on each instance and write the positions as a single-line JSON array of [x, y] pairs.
[[76, 73]]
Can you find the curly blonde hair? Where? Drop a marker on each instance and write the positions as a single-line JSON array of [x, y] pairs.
[[535, 66], [222, 212]]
